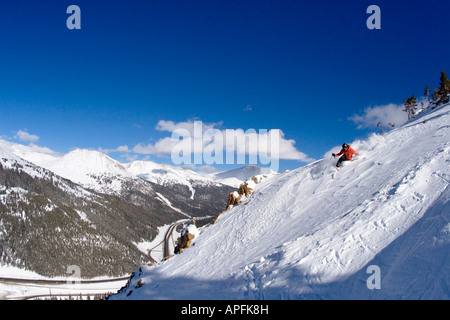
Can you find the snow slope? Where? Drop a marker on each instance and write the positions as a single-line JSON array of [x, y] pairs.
[[237, 176], [312, 233]]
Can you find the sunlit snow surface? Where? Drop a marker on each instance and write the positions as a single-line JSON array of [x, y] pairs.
[[312, 233]]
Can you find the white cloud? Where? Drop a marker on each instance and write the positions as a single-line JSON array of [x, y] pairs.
[[171, 126], [122, 149], [44, 150], [130, 157], [289, 152], [248, 107], [23, 135], [390, 113], [198, 137], [34, 149], [161, 147]]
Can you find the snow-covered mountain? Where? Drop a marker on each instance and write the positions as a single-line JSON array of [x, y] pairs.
[[48, 223], [379, 228], [86, 167], [171, 176], [95, 170], [85, 208]]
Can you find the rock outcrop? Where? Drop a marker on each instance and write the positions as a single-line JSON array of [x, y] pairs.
[[245, 190], [185, 240]]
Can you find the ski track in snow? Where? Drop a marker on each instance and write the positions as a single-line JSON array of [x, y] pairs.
[[305, 235]]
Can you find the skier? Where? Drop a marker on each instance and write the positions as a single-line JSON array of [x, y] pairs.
[[348, 152]]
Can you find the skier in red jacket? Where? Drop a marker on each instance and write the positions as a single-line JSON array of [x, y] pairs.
[[348, 154]]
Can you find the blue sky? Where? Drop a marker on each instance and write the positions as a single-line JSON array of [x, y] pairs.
[[303, 67]]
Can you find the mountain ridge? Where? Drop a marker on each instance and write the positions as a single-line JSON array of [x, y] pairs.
[[84, 165]]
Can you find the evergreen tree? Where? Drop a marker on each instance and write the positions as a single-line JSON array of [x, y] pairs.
[[413, 102], [410, 106], [427, 93], [444, 88], [406, 104], [436, 95]]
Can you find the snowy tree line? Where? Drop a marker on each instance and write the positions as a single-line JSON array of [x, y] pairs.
[[439, 96]]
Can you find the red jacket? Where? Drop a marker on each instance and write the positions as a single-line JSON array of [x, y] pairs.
[[347, 153]]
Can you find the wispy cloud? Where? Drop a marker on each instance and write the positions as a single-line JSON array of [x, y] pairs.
[[37, 149], [23, 135], [248, 107], [170, 126], [122, 149], [390, 113]]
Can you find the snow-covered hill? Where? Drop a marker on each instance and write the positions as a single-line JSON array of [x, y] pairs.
[[237, 176], [317, 233]]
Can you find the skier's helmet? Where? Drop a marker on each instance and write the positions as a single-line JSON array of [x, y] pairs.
[[345, 146]]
